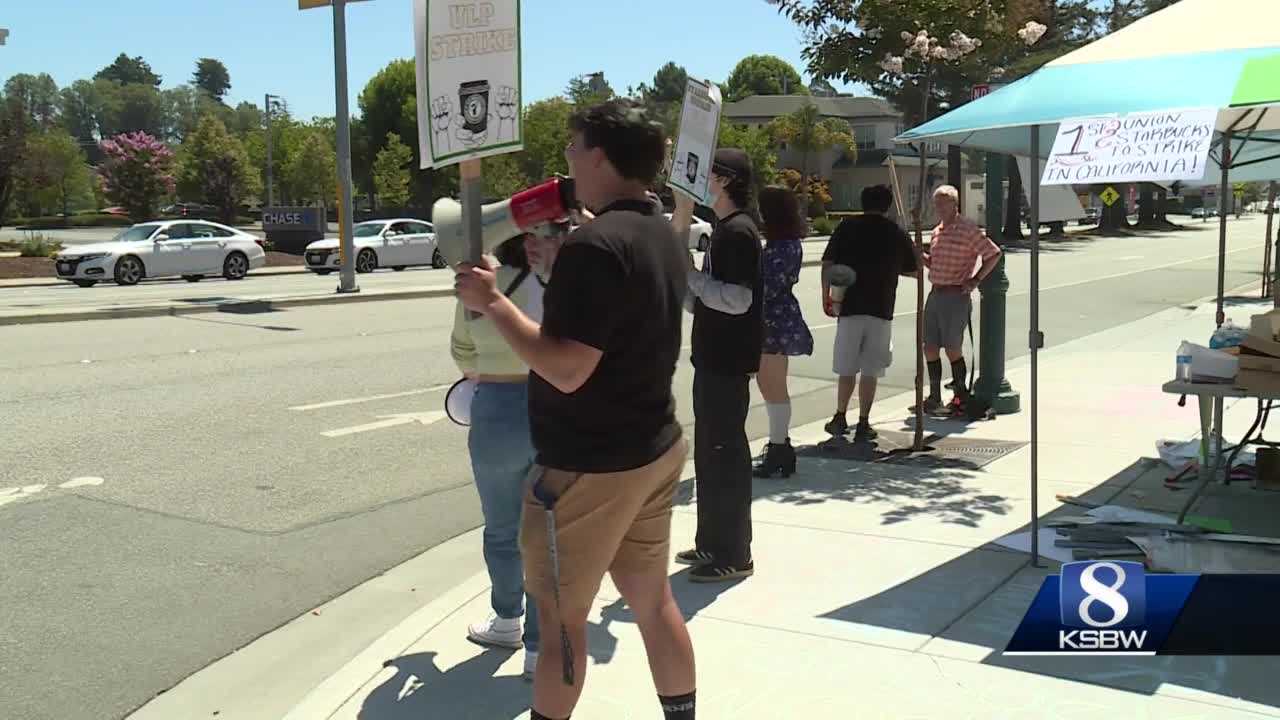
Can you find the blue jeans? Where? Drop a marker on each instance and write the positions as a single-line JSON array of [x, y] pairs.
[[501, 457]]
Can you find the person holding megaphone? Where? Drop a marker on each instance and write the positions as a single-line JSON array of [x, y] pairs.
[[501, 448]]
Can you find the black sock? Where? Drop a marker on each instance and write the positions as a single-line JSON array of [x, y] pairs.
[[539, 716], [960, 375], [935, 378], [678, 708], [864, 419]]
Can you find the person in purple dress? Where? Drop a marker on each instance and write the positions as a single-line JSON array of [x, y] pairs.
[[785, 333]]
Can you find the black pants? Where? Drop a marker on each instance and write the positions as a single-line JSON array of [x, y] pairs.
[[722, 461]]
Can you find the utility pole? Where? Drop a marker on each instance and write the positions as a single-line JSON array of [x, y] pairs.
[[270, 105], [4, 35], [346, 242]]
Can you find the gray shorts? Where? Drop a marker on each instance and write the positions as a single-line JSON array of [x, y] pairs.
[[946, 317], [864, 346]]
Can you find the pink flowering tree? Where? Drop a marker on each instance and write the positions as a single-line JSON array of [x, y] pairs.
[[136, 173]]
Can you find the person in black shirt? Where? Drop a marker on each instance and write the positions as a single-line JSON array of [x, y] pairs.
[[726, 296], [879, 251], [601, 411]]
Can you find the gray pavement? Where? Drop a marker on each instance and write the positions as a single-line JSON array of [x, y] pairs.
[[206, 505]]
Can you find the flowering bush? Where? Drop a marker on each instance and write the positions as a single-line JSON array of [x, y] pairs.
[[136, 172], [1032, 32]]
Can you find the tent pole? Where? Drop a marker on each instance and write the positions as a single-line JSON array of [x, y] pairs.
[[1223, 204], [1267, 290], [1036, 340]]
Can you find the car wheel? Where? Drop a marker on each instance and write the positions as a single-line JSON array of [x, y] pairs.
[[322, 272], [236, 266], [366, 261], [193, 278], [398, 268], [438, 262], [85, 283], [702, 243], [129, 270]]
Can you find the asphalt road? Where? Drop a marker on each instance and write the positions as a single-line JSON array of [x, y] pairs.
[[171, 488]]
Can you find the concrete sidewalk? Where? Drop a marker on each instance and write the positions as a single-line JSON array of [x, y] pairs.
[[877, 593]]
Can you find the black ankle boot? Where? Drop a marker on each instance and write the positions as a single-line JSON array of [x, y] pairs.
[[779, 461]]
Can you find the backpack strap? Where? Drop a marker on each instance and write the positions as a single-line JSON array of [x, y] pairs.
[[517, 282]]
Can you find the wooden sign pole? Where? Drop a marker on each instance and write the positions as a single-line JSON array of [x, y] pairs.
[[471, 193]]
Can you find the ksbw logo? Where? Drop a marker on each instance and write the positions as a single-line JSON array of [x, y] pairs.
[[1103, 607]]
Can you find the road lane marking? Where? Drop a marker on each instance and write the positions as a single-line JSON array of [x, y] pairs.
[[81, 482], [371, 398], [388, 421]]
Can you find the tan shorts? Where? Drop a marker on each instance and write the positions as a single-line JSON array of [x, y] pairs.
[[608, 522]]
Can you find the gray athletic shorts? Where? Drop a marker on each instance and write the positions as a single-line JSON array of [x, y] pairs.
[[864, 346], [946, 317]]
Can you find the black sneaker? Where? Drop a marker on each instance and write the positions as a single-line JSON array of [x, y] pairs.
[[932, 405], [697, 558], [838, 425], [865, 433], [779, 461], [721, 573]]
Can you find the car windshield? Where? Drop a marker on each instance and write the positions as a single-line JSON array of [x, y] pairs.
[[135, 234], [370, 230]]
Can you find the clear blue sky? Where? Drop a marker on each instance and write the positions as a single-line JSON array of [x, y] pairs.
[[270, 46]]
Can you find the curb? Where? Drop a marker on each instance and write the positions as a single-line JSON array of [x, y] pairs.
[[242, 307], [43, 282]]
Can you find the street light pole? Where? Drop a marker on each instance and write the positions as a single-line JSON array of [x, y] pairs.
[[347, 278], [269, 104]]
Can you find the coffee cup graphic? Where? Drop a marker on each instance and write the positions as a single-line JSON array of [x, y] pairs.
[[474, 97]]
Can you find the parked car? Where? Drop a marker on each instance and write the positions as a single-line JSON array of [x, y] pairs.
[[191, 210], [1092, 216], [397, 244], [191, 249], [699, 233]]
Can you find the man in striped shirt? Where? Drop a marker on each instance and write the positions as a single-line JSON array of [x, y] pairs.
[[957, 246]]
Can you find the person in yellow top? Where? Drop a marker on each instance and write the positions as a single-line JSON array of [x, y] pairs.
[[501, 450]]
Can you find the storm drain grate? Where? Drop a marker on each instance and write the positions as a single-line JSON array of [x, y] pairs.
[[895, 448]]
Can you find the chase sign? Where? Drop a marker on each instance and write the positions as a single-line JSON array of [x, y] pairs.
[[279, 219]]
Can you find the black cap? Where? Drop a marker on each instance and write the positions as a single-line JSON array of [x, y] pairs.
[[732, 163]]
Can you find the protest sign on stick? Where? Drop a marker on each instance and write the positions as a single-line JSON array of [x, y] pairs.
[[696, 144], [1139, 147]]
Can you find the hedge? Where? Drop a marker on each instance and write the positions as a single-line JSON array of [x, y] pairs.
[[74, 221]]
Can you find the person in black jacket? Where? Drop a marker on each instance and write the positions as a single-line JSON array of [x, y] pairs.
[[726, 297]]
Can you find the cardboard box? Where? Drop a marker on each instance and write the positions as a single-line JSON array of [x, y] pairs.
[[1265, 384], [1266, 325], [1261, 346], [1262, 363]]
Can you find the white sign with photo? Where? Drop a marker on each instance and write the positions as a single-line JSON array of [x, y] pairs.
[[468, 65], [696, 144], [1139, 147]]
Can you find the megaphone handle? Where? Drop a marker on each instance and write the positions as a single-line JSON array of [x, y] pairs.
[[471, 193]]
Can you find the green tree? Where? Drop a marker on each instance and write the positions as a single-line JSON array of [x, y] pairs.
[[55, 172], [38, 95], [311, 170], [135, 108], [669, 84], [391, 173], [16, 125], [212, 77], [758, 144], [763, 75], [546, 134], [388, 103], [503, 176], [81, 109], [214, 168], [247, 118], [186, 106], [129, 71], [810, 134], [587, 90]]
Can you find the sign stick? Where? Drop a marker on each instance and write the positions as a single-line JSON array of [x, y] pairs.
[[471, 194]]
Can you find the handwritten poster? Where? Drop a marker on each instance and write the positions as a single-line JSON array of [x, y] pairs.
[[468, 65], [696, 144], [1151, 147]]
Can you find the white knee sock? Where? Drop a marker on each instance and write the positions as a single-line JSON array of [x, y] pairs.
[[779, 422]]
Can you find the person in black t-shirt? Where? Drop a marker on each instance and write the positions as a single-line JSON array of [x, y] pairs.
[[727, 297], [879, 251], [601, 412]]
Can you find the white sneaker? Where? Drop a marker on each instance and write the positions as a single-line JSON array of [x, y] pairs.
[[530, 664], [497, 632]]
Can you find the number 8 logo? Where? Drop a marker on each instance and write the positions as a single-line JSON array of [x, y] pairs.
[[1108, 595]]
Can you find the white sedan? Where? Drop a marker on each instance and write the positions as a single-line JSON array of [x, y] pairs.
[[699, 233], [187, 248], [397, 244]]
